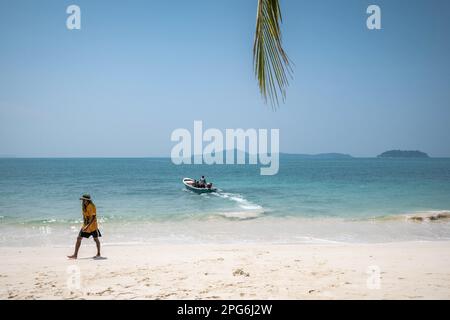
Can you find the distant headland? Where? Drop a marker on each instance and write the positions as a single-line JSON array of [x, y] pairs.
[[318, 156], [403, 154]]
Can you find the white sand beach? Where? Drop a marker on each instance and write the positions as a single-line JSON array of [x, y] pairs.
[[408, 270]]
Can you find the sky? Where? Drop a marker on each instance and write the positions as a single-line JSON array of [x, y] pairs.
[[137, 70]]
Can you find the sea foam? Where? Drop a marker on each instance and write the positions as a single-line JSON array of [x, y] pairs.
[[249, 210]]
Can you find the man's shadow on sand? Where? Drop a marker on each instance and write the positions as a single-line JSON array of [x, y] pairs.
[[93, 258]]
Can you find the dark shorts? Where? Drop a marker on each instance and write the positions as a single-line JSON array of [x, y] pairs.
[[95, 234]]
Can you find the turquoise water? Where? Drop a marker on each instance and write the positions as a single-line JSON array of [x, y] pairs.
[[144, 200]]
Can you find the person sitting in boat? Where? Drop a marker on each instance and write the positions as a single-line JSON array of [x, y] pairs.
[[202, 182]]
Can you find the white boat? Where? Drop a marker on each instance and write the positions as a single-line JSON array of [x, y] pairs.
[[189, 183]]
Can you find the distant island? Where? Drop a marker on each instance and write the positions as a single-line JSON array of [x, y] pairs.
[[403, 154], [412, 154]]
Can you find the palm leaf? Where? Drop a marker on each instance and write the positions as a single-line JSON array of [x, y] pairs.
[[270, 61]]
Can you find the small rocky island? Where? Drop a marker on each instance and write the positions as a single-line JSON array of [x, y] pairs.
[[403, 154]]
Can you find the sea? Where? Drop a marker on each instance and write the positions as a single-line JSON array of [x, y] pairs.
[[143, 200]]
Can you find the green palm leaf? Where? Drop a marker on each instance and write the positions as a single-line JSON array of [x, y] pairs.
[[270, 61]]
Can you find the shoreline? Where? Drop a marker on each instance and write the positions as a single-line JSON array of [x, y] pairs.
[[403, 270], [266, 230], [237, 243]]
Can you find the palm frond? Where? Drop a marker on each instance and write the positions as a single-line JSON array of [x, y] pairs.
[[270, 61]]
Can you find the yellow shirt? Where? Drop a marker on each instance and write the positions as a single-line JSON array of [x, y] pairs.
[[90, 213]]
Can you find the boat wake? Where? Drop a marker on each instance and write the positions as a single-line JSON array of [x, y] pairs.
[[247, 209]]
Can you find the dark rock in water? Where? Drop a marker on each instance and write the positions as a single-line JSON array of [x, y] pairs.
[[403, 154], [430, 216]]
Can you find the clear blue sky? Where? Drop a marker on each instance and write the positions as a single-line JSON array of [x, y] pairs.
[[139, 69]]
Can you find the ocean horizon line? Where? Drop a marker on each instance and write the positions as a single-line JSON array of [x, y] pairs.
[[306, 156]]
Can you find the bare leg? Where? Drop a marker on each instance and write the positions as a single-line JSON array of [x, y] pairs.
[[97, 242], [77, 247]]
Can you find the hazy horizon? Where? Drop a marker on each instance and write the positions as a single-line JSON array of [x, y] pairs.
[[168, 156]]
